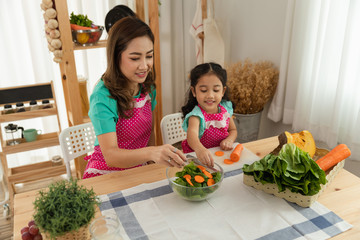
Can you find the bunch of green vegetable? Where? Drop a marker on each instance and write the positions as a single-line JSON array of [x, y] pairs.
[[199, 182], [64, 207], [292, 168], [80, 19]]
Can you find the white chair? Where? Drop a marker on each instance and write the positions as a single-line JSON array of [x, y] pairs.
[[76, 141], [171, 129]]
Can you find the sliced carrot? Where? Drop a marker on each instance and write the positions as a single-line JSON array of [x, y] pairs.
[[199, 179], [235, 155], [210, 181], [336, 155], [219, 153], [189, 181], [207, 173], [187, 176], [228, 161], [201, 167]]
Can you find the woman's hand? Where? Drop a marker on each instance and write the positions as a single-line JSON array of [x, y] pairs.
[[205, 156], [226, 144], [168, 155]]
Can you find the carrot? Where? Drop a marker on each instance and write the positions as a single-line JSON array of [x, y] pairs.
[[77, 27], [199, 179], [336, 155], [207, 173], [228, 161], [189, 181], [201, 167], [219, 153], [235, 155], [210, 181], [187, 176]]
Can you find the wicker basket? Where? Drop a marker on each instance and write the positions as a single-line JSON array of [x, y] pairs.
[[299, 199], [80, 234]]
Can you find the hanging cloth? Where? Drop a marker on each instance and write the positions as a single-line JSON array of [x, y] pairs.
[[214, 48], [195, 29]]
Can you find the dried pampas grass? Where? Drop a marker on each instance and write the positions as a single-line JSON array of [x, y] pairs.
[[251, 85]]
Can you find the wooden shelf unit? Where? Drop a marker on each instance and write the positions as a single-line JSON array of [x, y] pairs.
[[37, 171], [28, 114], [43, 141], [69, 75]]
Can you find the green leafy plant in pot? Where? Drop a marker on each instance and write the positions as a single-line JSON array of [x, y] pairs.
[[251, 86], [65, 208]]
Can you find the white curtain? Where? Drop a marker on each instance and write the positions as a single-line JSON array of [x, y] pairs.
[[25, 59], [319, 73]]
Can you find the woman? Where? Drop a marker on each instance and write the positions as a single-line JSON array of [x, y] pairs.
[[122, 102]]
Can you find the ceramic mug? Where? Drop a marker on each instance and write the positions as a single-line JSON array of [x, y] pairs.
[[31, 134]]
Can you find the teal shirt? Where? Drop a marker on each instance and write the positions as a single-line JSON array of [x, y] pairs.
[[103, 109], [197, 112]]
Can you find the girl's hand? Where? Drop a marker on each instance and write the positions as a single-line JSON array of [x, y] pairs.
[[226, 144], [205, 157], [168, 155]]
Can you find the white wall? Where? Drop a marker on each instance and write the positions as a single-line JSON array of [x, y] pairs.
[[250, 28]]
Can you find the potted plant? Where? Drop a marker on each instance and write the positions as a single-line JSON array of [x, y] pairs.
[[251, 86], [65, 210]]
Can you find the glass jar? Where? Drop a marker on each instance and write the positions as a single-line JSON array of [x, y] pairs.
[[45, 104], [8, 109], [20, 107], [56, 160], [106, 227], [33, 105]]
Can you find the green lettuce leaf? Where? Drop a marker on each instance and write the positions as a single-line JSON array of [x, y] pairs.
[[293, 169]]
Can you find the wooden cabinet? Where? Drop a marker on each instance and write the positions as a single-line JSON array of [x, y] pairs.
[[69, 75], [25, 94]]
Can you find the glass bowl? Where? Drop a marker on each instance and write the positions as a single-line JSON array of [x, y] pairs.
[[87, 37], [193, 193]]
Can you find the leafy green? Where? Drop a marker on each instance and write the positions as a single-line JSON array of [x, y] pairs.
[[292, 168], [196, 192], [64, 207], [80, 19]]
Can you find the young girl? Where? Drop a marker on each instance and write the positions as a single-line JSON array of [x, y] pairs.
[[208, 112], [122, 102]]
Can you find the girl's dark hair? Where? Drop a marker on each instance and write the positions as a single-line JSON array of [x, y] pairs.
[[120, 35], [195, 74], [116, 13]]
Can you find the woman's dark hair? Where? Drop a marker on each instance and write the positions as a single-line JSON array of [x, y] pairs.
[[120, 35], [195, 74], [116, 13]]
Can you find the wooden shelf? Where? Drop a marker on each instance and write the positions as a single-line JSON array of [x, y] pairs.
[[27, 114], [87, 119], [43, 141], [35, 171], [99, 44]]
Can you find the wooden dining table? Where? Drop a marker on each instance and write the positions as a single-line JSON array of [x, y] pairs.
[[342, 196]]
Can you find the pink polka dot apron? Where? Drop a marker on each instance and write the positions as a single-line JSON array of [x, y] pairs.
[[216, 129], [132, 133]]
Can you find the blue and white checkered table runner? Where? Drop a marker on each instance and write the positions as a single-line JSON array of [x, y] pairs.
[[235, 211]]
